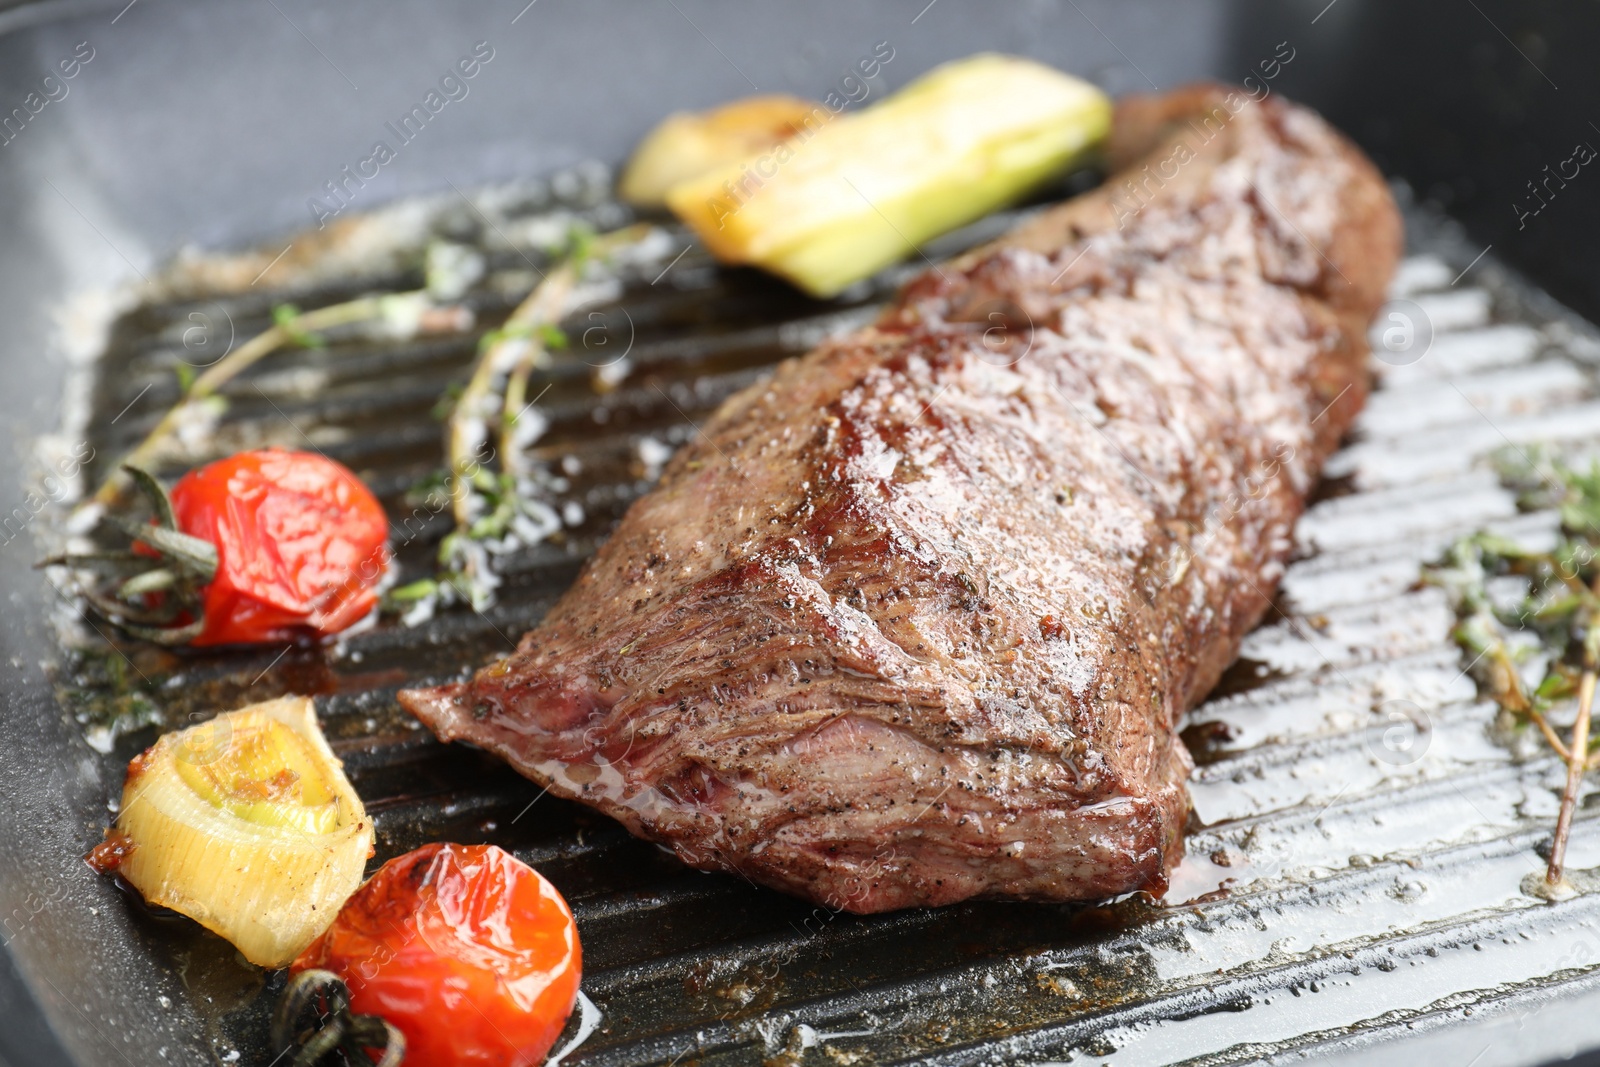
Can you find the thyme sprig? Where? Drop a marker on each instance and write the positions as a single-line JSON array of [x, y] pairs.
[[431, 309], [1552, 628], [487, 423]]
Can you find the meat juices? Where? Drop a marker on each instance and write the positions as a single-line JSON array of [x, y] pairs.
[[914, 620]]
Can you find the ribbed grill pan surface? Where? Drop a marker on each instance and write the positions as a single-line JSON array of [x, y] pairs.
[[1359, 834]]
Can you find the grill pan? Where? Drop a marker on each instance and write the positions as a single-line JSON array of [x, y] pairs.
[[1352, 885]]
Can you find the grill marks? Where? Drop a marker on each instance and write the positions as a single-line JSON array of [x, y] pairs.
[[686, 966]]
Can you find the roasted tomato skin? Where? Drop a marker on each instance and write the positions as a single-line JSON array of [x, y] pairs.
[[301, 545], [465, 948]]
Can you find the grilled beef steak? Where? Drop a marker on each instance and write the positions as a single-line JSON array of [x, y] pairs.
[[914, 620]]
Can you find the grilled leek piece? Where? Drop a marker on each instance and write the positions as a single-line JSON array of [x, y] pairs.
[[686, 145], [830, 208], [247, 825]]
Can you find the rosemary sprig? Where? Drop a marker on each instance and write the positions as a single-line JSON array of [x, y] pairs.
[[1557, 619]]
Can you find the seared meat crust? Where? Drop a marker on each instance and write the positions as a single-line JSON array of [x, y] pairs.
[[914, 620]]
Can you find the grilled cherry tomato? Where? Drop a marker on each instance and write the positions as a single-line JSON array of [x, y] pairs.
[[468, 950], [301, 544]]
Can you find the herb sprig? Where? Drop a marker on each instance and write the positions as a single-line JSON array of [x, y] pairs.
[[1552, 630], [430, 310], [495, 511]]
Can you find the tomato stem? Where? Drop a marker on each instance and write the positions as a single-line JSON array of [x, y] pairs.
[[177, 568], [325, 995]]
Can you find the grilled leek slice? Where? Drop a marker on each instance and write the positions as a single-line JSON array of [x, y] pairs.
[[686, 144], [247, 825], [830, 208]]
